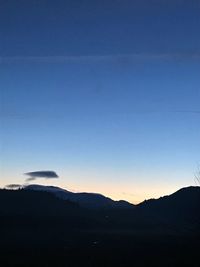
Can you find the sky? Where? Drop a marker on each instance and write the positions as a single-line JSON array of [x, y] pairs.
[[104, 93]]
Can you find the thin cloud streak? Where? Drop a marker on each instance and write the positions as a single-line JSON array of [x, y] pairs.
[[62, 116], [100, 58], [13, 186]]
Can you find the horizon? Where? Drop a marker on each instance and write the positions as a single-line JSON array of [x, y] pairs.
[[22, 186], [106, 94]]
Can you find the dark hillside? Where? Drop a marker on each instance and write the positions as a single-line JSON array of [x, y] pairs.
[[39, 229]]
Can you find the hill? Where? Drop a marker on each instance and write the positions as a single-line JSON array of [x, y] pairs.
[[38, 228], [88, 200], [180, 208]]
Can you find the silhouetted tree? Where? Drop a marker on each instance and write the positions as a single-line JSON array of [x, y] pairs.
[[197, 175]]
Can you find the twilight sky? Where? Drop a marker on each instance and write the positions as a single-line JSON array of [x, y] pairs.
[[105, 93]]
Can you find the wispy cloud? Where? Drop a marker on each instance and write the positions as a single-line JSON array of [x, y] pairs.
[[99, 58], [13, 186]]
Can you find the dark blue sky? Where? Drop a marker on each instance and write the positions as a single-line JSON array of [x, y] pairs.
[[106, 93], [38, 28]]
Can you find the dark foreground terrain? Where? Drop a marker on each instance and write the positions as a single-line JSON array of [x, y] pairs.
[[39, 229]]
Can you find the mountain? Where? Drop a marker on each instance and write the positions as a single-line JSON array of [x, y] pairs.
[[40, 228], [182, 207], [34, 203], [87, 200]]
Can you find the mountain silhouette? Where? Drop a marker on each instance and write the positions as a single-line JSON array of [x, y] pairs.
[[182, 206], [43, 226], [88, 200]]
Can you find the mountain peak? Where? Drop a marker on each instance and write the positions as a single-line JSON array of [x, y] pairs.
[[84, 199]]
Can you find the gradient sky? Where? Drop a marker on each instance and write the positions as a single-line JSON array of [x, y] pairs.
[[105, 93]]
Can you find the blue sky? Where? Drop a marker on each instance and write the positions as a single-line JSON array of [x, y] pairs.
[[105, 94]]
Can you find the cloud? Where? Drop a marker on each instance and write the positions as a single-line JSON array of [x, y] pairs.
[[41, 174], [99, 58], [13, 186], [30, 179]]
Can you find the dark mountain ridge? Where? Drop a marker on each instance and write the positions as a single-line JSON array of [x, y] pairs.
[[178, 209], [88, 200], [183, 205], [38, 228]]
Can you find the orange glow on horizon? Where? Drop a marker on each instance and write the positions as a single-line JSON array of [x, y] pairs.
[[133, 193]]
